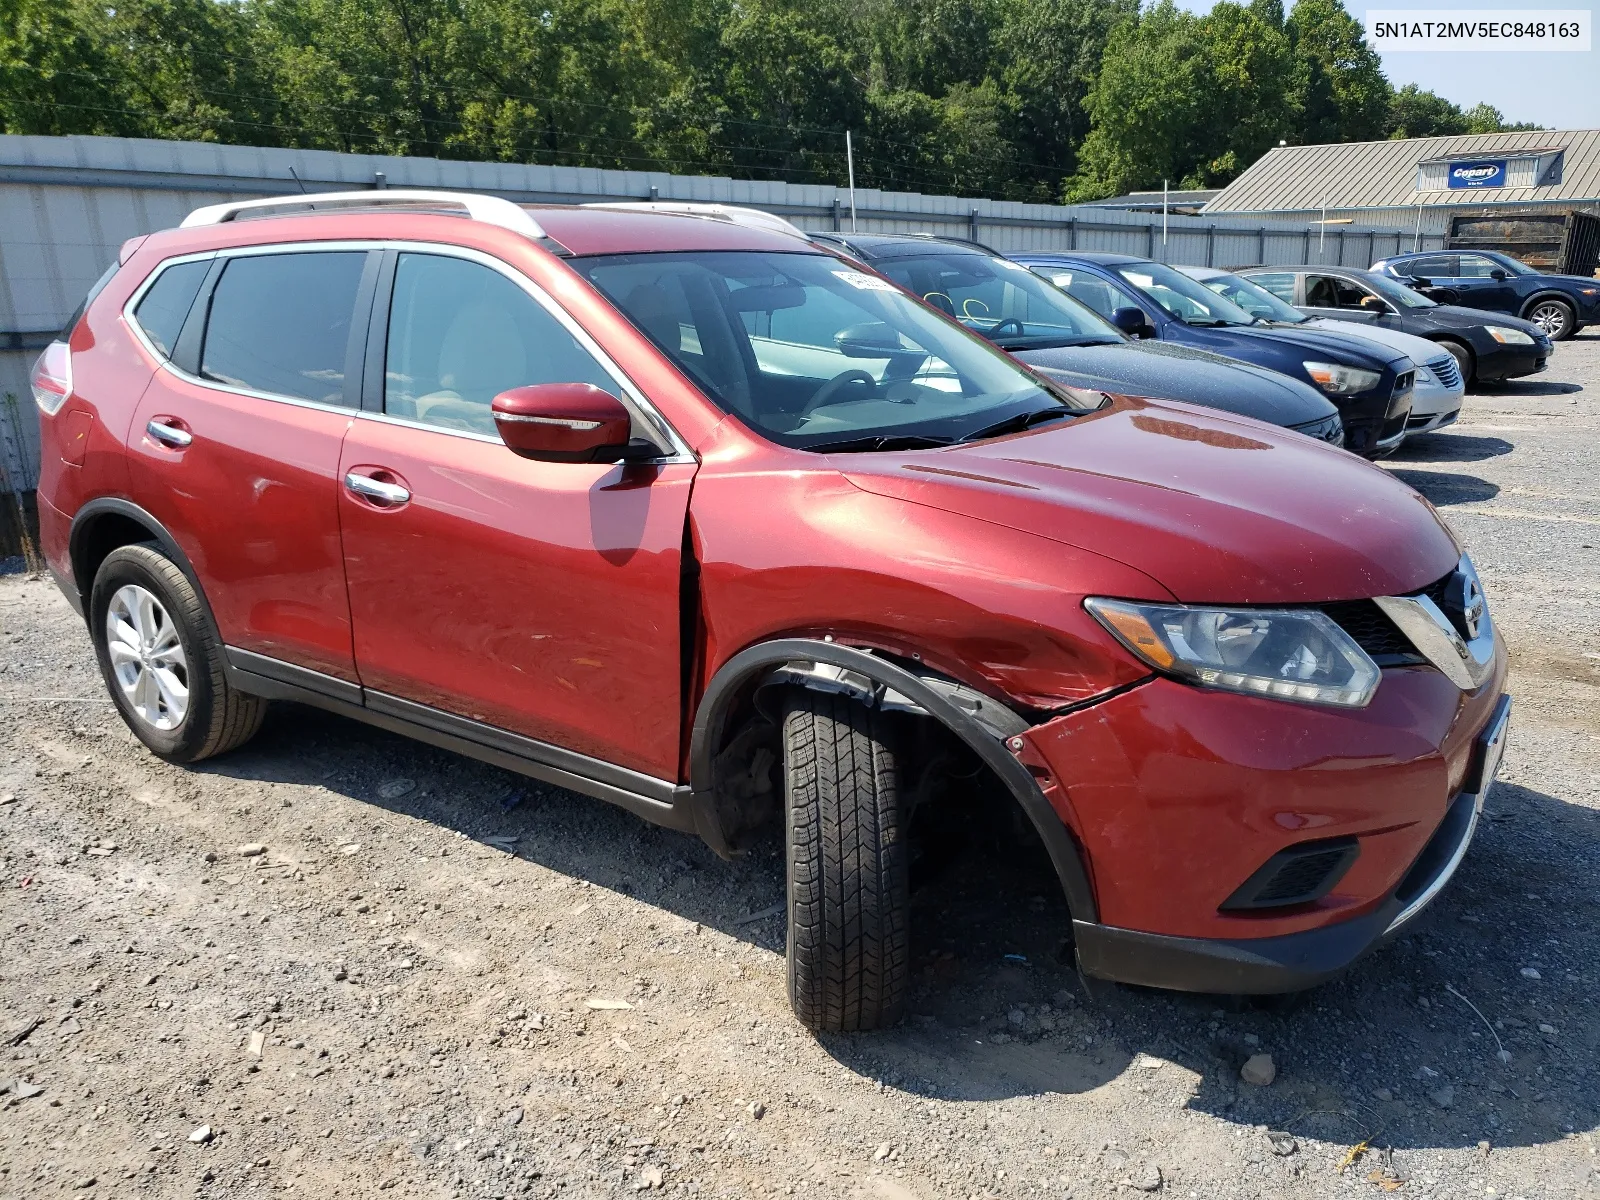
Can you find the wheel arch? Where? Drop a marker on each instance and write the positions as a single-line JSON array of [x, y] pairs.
[[734, 684], [1539, 298], [109, 523]]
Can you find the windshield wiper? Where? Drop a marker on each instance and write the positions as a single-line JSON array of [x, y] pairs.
[[1018, 423], [880, 442], [1207, 324]]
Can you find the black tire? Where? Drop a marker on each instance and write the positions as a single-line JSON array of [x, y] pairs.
[[1463, 358], [848, 865], [218, 718], [1556, 317]]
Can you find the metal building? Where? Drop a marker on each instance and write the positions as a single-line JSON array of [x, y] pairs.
[[1419, 182]]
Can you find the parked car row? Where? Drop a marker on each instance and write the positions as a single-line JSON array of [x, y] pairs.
[[687, 512], [1560, 305]]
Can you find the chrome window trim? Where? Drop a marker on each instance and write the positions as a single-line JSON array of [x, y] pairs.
[[631, 393], [132, 303]]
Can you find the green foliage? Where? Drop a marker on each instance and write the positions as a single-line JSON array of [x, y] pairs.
[[1023, 99]]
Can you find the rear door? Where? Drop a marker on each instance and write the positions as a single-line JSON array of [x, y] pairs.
[[235, 442], [537, 598]]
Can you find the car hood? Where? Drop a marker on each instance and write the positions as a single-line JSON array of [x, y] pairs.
[[1349, 349], [1215, 508], [1420, 349], [1457, 316], [1171, 372]]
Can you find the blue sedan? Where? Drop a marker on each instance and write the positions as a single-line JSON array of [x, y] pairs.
[[1371, 385], [1558, 304]]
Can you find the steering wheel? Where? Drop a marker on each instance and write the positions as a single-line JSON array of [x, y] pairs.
[[826, 392], [1001, 327]]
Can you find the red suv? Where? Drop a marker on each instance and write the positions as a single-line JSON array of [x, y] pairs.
[[678, 510]]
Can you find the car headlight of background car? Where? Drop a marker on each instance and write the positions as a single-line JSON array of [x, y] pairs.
[[1339, 379], [1511, 337], [1288, 654]]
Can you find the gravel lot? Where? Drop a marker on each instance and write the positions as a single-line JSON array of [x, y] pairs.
[[387, 998]]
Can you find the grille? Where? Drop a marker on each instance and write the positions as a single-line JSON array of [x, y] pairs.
[[1371, 629], [1446, 371], [1297, 875], [1404, 381]]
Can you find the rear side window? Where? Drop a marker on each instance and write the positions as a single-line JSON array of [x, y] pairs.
[[280, 323], [1427, 268], [165, 307], [460, 334]]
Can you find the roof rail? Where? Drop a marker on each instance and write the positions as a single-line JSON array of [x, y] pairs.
[[753, 218], [491, 210]]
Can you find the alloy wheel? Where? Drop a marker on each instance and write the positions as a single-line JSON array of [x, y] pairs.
[[1553, 317], [147, 657]]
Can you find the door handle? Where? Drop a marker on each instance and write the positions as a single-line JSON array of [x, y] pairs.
[[376, 489], [168, 432]]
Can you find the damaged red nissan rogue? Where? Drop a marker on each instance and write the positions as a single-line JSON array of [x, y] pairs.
[[678, 510]]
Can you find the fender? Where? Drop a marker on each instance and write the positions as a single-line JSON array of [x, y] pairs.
[[749, 667], [78, 548], [1551, 294]]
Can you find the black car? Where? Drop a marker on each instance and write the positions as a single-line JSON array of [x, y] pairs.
[[1370, 385], [1049, 330], [1488, 348], [1558, 304]]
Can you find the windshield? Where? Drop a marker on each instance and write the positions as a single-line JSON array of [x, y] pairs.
[[1181, 296], [1003, 300], [815, 354], [1255, 300], [1396, 293]]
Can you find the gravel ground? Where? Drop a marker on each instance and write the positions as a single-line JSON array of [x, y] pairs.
[[338, 961]]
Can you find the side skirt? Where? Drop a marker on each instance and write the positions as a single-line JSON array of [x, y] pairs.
[[656, 800]]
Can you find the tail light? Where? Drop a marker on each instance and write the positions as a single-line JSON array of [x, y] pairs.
[[52, 378]]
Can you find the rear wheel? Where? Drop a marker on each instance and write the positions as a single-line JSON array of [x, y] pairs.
[[161, 661], [1555, 317], [848, 944]]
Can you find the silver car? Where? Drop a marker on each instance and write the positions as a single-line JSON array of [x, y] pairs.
[[1436, 401]]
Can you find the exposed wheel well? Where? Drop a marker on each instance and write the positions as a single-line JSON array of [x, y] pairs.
[[1540, 297], [97, 537]]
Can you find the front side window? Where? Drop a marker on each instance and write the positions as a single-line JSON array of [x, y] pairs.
[[1086, 289], [814, 353], [1256, 299], [163, 309], [280, 323], [1476, 266], [1394, 292], [1003, 300], [1330, 291], [460, 333], [1279, 283], [1181, 297]]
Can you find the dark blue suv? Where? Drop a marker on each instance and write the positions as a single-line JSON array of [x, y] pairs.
[[1558, 304], [1369, 384]]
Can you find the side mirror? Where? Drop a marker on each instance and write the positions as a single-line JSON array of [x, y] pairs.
[[1499, 273], [563, 422], [1131, 321]]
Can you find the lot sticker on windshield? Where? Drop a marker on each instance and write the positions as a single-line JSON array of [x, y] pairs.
[[867, 283]]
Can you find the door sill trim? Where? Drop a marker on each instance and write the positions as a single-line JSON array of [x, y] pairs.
[[659, 801]]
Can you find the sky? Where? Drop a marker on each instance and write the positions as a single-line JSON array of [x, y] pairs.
[[1555, 90]]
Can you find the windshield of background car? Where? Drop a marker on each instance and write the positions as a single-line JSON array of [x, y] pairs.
[[1396, 293], [808, 350], [1003, 300], [1181, 296], [1255, 300], [1513, 265]]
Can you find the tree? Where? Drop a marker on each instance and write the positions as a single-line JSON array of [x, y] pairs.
[[1342, 81]]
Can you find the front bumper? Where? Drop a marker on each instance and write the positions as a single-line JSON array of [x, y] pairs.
[[1294, 961], [1511, 362]]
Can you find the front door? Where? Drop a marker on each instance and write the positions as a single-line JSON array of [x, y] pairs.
[[236, 444], [539, 598], [1476, 286], [1339, 298]]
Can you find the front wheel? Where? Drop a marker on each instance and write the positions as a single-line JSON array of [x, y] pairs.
[[1555, 317], [848, 865], [161, 661]]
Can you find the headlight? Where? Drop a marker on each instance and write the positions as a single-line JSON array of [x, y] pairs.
[[1511, 337], [1341, 380], [1289, 654]]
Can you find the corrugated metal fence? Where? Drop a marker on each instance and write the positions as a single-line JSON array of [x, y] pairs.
[[67, 203]]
